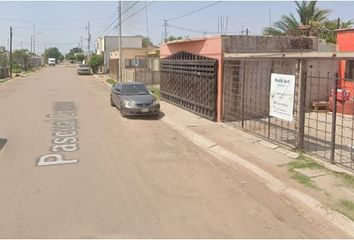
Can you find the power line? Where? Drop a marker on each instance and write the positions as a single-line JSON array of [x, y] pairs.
[[194, 11], [147, 23], [47, 29], [105, 30], [141, 9], [190, 30], [126, 10], [52, 20], [205, 32], [112, 21]]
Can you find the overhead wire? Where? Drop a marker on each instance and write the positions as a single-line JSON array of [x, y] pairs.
[[126, 10], [205, 32], [136, 12], [147, 22], [194, 11], [190, 30], [52, 20]]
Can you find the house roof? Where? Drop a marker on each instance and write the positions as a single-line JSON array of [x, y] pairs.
[[344, 30], [292, 55], [193, 39]]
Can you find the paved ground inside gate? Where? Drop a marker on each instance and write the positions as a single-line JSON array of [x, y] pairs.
[[317, 134]]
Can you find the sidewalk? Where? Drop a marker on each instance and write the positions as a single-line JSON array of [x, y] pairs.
[[313, 183]]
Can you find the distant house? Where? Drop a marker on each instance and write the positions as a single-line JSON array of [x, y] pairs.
[[106, 44], [139, 64]]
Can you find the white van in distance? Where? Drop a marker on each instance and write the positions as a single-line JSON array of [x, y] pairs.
[[51, 61]]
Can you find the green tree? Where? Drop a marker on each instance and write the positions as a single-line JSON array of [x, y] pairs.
[[19, 60], [21, 53], [79, 57], [2, 49], [173, 38], [310, 22], [95, 62], [61, 57], [147, 42], [330, 26], [51, 53], [71, 54]]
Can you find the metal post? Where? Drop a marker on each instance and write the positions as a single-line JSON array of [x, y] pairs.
[[301, 108], [10, 52], [269, 86], [31, 44], [334, 121], [120, 43], [89, 42], [243, 94], [34, 38], [165, 32]]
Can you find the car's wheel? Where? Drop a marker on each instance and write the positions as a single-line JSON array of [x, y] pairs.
[[111, 102], [121, 111]]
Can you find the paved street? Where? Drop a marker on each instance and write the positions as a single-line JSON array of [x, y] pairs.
[[74, 168]]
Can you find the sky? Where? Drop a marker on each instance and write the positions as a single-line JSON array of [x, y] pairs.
[[63, 24]]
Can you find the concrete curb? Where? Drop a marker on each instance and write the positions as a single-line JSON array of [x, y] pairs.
[[272, 183], [104, 81]]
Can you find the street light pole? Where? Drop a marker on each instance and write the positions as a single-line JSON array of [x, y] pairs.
[[10, 52], [34, 38], [89, 41], [120, 42]]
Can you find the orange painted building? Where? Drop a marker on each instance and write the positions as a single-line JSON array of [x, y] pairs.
[[345, 43]]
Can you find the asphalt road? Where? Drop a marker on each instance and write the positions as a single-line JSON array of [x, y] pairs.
[[73, 168]]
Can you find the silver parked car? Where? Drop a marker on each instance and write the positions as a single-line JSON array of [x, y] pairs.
[[134, 99], [84, 69]]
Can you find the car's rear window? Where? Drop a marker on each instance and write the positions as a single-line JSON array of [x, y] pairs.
[[84, 65]]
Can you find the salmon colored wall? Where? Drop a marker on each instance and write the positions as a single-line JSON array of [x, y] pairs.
[[208, 47], [345, 42]]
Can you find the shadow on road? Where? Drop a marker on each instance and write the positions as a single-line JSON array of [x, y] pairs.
[[2, 142], [151, 118]]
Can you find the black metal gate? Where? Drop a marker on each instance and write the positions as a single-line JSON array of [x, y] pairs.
[[321, 124], [190, 81], [246, 98]]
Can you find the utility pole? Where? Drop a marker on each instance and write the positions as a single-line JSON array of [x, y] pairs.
[[165, 34], [120, 67], [81, 43], [10, 52], [270, 17], [31, 44], [34, 38], [89, 41]]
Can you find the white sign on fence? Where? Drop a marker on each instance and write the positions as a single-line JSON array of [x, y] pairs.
[[282, 89]]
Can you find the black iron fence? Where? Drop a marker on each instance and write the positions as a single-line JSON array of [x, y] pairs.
[[190, 81], [322, 122]]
